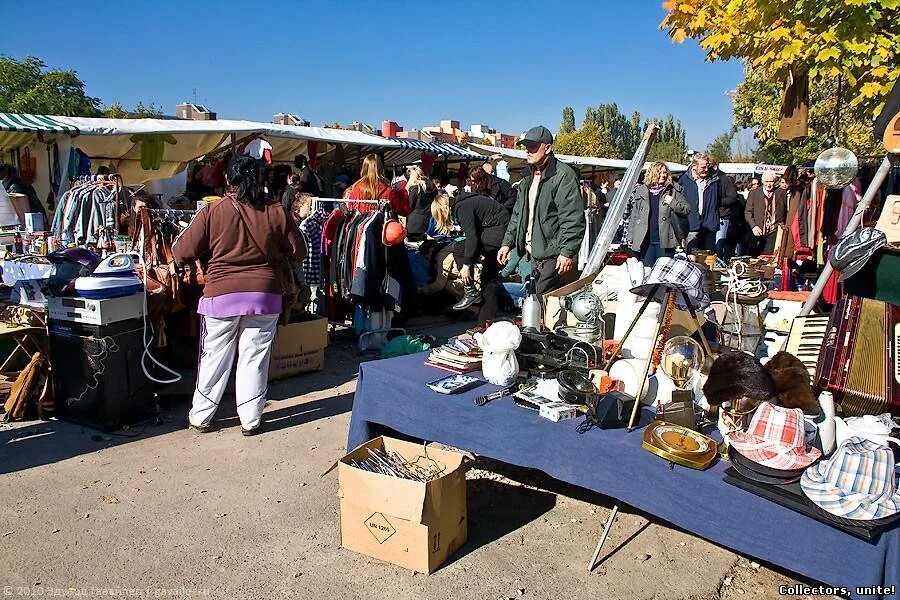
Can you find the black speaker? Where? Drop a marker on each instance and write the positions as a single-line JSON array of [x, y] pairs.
[[97, 376]]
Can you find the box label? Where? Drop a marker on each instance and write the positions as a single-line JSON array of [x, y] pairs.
[[379, 527]]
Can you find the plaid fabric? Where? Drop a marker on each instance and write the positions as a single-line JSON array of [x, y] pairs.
[[857, 482], [679, 274], [312, 264], [775, 439]]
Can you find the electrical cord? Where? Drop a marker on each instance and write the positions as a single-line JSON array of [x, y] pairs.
[[148, 341], [740, 287], [105, 345]]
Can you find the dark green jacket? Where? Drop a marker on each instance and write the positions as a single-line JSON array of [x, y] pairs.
[[558, 226]]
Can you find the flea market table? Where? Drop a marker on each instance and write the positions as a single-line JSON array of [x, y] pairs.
[[391, 394]]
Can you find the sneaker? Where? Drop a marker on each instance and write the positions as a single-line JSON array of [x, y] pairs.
[[254, 431], [471, 297], [200, 428]]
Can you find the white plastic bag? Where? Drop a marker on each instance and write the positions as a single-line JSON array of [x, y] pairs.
[[499, 343]]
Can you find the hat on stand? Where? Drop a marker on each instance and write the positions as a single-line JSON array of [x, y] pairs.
[[678, 274], [858, 482], [853, 251], [775, 439]]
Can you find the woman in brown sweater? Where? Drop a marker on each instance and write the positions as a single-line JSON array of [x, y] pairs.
[[242, 241]]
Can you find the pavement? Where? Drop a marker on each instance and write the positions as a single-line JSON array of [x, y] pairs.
[[161, 511]]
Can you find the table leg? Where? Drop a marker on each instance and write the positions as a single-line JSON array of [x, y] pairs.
[[603, 536]]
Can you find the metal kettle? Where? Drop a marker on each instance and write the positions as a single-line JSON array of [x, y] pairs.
[[532, 309]]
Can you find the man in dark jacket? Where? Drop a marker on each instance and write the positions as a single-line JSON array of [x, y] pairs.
[[766, 209], [703, 190], [500, 190], [547, 223], [729, 210]]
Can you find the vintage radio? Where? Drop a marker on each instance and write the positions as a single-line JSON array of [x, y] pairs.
[[859, 362]]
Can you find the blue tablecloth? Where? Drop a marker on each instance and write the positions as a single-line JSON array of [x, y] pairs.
[[392, 393]]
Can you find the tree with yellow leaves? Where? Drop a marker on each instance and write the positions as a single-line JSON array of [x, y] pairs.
[[849, 48], [857, 40]]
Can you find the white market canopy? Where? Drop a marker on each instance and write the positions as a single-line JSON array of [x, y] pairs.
[[112, 141], [591, 162], [750, 168]]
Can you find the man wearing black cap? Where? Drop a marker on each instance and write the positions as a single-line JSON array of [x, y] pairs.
[[547, 222]]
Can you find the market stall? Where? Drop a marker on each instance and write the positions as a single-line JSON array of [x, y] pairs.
[[691, 388], [392, 396]]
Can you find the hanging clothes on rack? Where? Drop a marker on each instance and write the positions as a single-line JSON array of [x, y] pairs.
[[363, 276], [90, 210]]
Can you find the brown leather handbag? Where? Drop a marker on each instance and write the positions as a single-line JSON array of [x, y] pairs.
[[161, 279]]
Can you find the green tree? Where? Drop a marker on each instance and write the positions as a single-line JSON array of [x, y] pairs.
[[150, 111], [609, 118], [568, 120], [589, 140], [720, 147], [667, 151], [635, 130], [625, 134], [117, 111], [27, 86], [486, 141]]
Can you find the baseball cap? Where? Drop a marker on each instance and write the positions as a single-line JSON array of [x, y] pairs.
[[538, 135]]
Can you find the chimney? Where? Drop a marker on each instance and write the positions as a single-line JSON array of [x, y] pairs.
[[194, 112], [290, 119], [390, 129]]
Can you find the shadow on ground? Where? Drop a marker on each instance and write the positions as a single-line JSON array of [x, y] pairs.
[[497, 509], [27, 445]]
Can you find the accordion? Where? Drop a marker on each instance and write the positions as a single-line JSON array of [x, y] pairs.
[[858, 361]]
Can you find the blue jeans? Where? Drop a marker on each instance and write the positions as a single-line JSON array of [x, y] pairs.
[[652, 251], [512, 294], [724, 248]]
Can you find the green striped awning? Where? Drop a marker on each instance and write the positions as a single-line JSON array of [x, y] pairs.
[[33, 123]]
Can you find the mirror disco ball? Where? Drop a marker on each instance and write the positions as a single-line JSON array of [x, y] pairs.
[[836, 167]]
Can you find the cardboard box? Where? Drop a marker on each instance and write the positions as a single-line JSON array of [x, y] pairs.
[[299, 348], [408, 523]]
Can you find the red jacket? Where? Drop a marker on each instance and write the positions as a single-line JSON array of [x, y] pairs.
[[399, 199]]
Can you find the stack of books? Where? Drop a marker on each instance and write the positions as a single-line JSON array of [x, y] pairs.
[[458, 355]]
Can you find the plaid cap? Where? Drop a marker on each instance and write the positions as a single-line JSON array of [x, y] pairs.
[[775, 439], [679, 274], [857, 482]]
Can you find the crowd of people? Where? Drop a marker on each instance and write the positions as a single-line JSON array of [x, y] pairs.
[[483, 238], [705, 210], [489, 240]]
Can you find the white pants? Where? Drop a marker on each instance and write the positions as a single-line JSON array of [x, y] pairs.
[[251, 336]]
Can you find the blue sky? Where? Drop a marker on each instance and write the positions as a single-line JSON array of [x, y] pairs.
[[509, 65]]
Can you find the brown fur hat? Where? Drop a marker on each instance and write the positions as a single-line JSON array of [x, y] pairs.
[[736, 376], [792, 382]]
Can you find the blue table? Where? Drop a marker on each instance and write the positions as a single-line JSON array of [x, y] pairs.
[[392, 393]]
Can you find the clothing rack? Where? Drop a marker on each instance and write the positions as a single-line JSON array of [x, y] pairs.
[[316, 200], [172, 212], [93, 178]]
